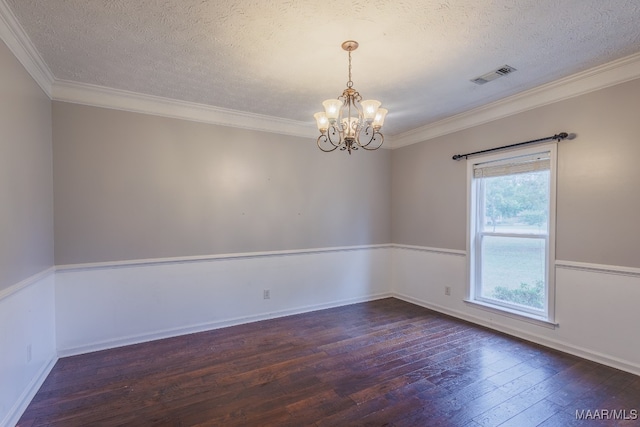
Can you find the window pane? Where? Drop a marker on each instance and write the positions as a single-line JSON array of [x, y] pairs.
[[513, 270], [516, 203]]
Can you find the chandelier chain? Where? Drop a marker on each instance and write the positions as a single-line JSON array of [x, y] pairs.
[[349, 83]]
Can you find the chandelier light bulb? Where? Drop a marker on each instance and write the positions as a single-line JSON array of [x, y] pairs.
[[350, 125], [332, 109], [321, 121], [378, 121], [369, 109]]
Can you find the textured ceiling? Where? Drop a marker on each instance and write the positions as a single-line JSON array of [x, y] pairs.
[[283, 58]]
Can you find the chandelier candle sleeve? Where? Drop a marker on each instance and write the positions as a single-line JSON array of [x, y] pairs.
[[321, 121], [348, 122], [379, 119], [370, 109], [332, 109]]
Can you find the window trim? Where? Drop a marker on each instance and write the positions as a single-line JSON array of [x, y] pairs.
[[547, 317]]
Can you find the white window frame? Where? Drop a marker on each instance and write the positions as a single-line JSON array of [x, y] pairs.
[[545, 317]]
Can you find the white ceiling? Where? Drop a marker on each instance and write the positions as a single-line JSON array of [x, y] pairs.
[[282, 58]]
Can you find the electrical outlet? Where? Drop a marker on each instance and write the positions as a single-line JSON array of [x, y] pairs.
[[447, 290], [266, 294], [28, 353]]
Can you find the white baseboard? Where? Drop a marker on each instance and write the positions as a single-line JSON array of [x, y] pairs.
[[27, 342], [596, 314], [538, 339], [14, 414], [169, 333], [103, 306]]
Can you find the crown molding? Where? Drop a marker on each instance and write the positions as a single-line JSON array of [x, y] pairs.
[[612, 73], [117, 99], [16, 39], [101, 96], [12, 33]]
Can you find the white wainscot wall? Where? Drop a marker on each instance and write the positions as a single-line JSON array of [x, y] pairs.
[[27, 342], [93, 307], [596, 306], [111, 305]]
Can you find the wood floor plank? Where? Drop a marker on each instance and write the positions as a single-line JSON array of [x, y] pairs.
[[385, 362]]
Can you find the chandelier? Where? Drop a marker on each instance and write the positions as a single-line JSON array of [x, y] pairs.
[[348, 122]]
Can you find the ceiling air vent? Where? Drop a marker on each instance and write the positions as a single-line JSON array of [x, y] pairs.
[[492, 75]]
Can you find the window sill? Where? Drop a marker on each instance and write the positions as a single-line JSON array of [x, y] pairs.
[[513, 314]]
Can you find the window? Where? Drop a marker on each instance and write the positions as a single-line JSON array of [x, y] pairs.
[[511, 230]]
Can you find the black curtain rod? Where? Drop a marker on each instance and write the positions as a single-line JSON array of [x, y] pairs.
[[558, 137]]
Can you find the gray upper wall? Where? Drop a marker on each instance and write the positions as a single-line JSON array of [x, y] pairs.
[[26, 189], [598, 181], [136, 186]]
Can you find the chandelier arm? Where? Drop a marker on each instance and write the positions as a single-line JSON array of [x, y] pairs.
[[349, 145], [359, 110], [323, 139], [374, 137], [346, 105], [366, 133], [353, 98], [367, 147], [335, 130]]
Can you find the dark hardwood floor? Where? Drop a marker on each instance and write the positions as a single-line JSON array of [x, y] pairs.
[[385, 362]]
